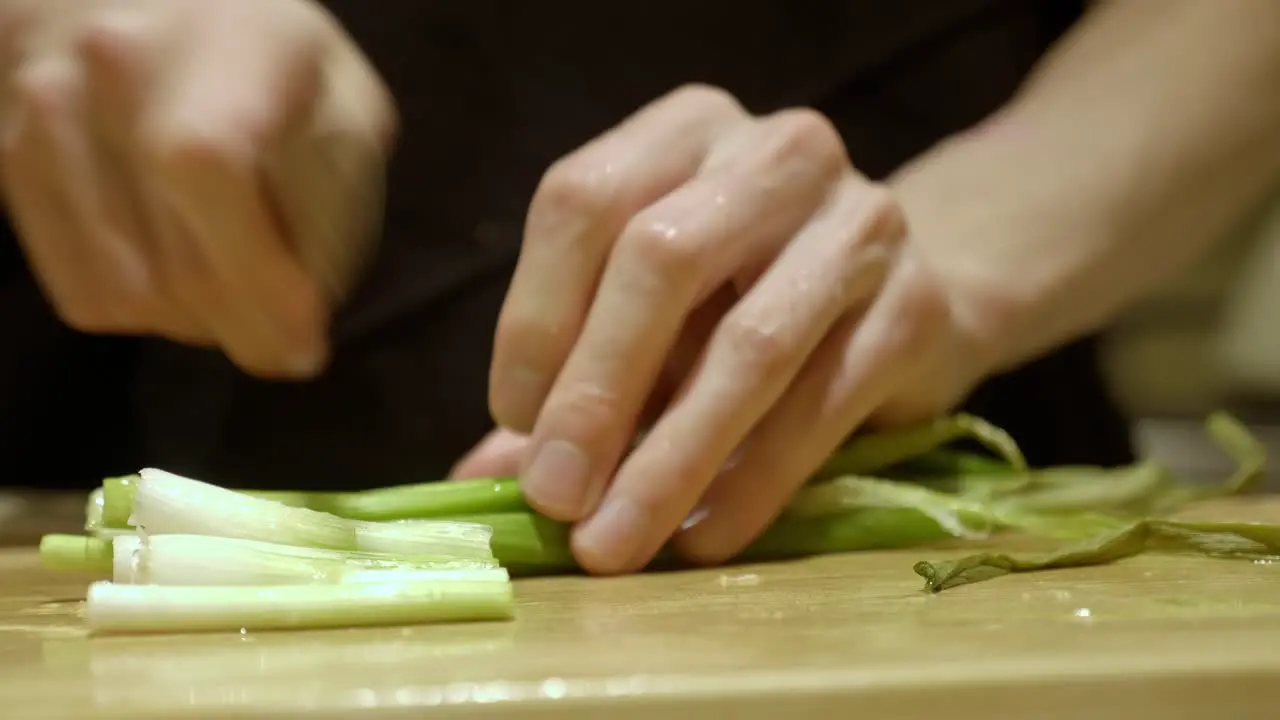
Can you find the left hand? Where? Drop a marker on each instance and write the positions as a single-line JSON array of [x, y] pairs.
[[732, 285]]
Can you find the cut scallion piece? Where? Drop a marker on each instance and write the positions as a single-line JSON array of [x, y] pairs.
[[157, 608], [164, 503], [187, 560], [76, 553]]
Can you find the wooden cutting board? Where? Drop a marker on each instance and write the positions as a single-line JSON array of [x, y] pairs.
[[845, 636]]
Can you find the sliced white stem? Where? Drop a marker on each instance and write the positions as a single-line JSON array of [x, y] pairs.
[[155, 608], [425, 539], [165, 503], [203, 560]]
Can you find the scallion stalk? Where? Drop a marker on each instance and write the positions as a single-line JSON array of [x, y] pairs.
[[186, 560], [115, 607], [428, 500], [75, 553], [164, 503]]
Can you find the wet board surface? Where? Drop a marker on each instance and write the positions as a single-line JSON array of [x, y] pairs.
[[851, 636]]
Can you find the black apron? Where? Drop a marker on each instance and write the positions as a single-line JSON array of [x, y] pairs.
[[491, 93]]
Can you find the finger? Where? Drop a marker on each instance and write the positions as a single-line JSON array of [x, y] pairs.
[[852, 373], [498, 455], [578, 211], [207, 132], [687, 353], [836, 261], [114, 51], [671, 256], [95, 282]]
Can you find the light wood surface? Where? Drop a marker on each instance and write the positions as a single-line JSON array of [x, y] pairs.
[[849, 636]]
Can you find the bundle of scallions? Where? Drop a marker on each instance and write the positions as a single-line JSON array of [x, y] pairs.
[[184, 555]]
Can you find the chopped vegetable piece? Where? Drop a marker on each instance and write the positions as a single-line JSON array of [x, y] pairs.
[[76, 553], [117, 502], [165, 503], [157, 608], [215, 561]]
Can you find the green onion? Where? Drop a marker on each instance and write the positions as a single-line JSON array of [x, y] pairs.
[[75, 553], [214, 561], [887, 489], [428, 500], [164, 503], [1249, 541], [1120, 512], [870, 453], [115, 607]]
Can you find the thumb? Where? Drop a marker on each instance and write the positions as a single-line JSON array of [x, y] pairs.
[[498, 455]]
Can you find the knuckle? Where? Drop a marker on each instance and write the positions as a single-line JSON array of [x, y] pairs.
[[586, 405], [109, 37], [660, 245], [44, 89], [521, 334], [576, 185], [884, 213], [876, 225], [763, 348], [808, 134], [185, 141], [705, 98], [181, 150]]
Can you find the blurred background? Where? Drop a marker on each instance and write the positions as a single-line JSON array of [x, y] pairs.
[[1209, 341]]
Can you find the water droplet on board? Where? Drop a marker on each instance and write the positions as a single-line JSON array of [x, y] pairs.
[[742, 580]]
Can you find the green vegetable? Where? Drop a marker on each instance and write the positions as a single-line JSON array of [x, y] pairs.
[[165, 504], [873, 452], [75, 553], [214, 561], [887, 489], [1062, 495], [427, 500], [1225, 540], [115, 607]]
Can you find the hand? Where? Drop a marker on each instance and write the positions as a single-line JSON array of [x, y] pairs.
[[204, 170], [732, 285]]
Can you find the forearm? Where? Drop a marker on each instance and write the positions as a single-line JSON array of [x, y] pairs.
[[1138, 142]]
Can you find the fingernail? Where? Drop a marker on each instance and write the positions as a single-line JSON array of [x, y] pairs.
[[556, 480], [520, 392], [613, 536]]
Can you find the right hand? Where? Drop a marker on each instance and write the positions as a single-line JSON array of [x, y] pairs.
[[208, 171]]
